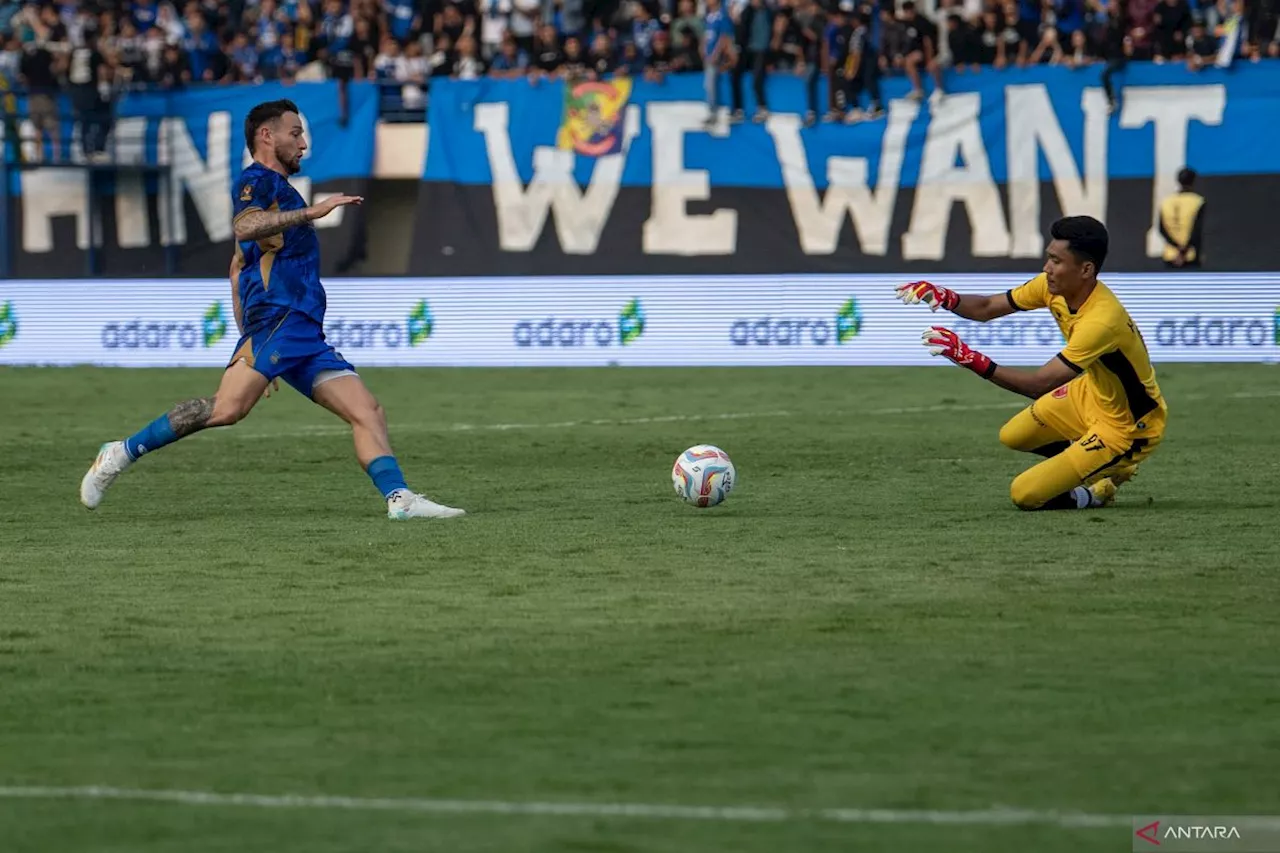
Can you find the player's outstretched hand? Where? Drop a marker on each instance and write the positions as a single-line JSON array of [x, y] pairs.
[[322, 209], [943, 341], [272, 386], [930, 294]]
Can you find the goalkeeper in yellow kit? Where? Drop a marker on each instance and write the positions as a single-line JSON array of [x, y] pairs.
[[1098, 411]]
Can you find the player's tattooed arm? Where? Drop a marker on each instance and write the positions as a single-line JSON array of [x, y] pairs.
[[191, 416], [260, 224]]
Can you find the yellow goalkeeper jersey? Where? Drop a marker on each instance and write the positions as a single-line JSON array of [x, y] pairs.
[[1104, 344]]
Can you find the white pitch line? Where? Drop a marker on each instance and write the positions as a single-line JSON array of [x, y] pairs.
[[651, 811], [336, 429], [1247, 395], [946, 407]]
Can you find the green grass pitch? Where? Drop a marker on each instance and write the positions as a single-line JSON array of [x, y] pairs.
[[866, 623]]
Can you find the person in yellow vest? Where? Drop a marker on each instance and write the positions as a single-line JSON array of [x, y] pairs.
[[1182, 224], [12, 151]]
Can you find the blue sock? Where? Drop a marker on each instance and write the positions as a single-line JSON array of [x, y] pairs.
[[153, 436], [386, 476]]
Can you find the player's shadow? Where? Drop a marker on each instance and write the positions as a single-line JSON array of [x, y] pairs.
[[1182, 504]]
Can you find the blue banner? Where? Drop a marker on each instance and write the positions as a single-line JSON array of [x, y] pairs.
[[337, 150], [166, 180], [212, 125], [1004, 125]]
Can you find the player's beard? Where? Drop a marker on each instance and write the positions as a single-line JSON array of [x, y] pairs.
[[291, 162]]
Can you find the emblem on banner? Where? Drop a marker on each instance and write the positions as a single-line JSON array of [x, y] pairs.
[[592, 120]]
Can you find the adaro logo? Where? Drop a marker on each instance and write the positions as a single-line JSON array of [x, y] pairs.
[[213, 328], [167, 334], [8, 323], [630, 322], [625, 329], [420, 323], [1150, 833], [799, 331], [416, 329]]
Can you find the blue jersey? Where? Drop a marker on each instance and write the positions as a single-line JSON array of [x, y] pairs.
[[873, 25], [718, 25], [281, 273], [198, 48], [144, 17], [402, 13]]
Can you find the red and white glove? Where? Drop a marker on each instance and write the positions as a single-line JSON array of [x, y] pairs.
[[942, 341], [930, 294]]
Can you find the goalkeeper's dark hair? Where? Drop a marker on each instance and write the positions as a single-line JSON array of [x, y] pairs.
[[264, 113], [1086, 237]]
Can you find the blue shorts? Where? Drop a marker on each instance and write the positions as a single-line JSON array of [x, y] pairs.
[[292, 348]]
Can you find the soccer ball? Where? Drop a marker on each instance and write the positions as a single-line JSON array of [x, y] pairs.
[[703, 475]]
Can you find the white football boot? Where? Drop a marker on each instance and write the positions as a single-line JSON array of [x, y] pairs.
[[405, 504], [112, 461]]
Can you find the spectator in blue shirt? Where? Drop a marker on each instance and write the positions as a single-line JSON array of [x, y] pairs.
[[244, 59], [643, 29], [510, 60], [403, 19], [1070, 14], [200, 45], [632, 62], [718, 52], [283, 62], [270, 28], [144, 15]]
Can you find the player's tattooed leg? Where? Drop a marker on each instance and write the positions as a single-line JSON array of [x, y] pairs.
[[191, 415]]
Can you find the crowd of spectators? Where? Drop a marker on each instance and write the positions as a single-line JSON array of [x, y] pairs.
[[91, 49]]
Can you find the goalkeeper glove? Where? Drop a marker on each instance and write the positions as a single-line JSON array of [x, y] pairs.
[[930, 294], [942, 341]]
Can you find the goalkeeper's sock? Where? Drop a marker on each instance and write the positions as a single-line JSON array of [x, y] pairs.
[[153, 436], [386, 476], [1078, 498]]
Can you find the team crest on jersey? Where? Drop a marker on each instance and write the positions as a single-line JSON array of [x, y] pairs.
[[246, 192], [1060, 392]]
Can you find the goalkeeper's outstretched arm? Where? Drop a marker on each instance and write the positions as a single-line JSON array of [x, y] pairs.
[[1032, 383], [970, 307], [1028, 383], [982, 308]]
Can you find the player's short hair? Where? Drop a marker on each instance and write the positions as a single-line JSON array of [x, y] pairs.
[[1186, 177], [1086, 237], [267, 111]]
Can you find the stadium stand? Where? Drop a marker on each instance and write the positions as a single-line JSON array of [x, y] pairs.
[[76, 58]]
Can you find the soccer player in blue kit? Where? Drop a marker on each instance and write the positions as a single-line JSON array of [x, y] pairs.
[[279, 307]]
